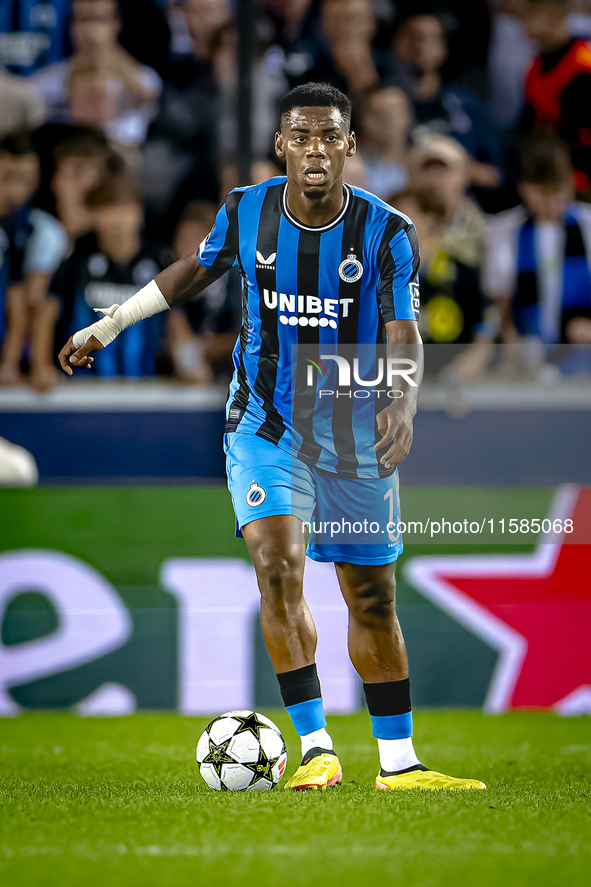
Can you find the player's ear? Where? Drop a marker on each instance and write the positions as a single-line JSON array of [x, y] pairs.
[[279, 146], [352, 144]]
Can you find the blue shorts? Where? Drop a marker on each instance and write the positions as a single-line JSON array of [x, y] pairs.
[[353, 520]]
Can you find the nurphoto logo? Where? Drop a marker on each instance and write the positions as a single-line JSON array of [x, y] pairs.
[[390, 370]]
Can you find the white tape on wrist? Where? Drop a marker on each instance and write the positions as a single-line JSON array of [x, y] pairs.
[[145, 303]]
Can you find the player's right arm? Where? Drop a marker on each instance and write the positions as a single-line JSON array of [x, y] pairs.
[[179, 282]]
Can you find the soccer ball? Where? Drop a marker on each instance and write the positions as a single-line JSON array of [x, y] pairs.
[[241, 751]]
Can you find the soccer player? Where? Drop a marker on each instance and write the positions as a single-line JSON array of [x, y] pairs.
[[323, 265]]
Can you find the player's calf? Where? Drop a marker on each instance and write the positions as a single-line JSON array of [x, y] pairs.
[[320, 767], [290, 637]]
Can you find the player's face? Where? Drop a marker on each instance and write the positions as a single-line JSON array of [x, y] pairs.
[[315, 143]]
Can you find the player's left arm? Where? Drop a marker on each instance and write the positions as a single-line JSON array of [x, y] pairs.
[[399, 295], [395, 422]]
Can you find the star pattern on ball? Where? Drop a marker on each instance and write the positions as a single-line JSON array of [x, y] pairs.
[[261, 768], [249, 762], [218, 756], [248, 722]]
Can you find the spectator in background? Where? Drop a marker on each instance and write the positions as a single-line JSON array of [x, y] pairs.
[[349, 27], [81, 160], [107, 266], [35, 244], [33, 34], [383, 129], [202, 333], [558, 86], [101, 85], [268, 85], [420, 43], [440, 164], [21, 106], [287, 18], [180, 43], [18, 180], [355, 172], [180, 157], [452, 305], [335, 46], [468, 32], [510, 56], [579, 20], [537, 263]]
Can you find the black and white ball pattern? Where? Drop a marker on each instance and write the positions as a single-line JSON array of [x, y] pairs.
[[241, 751]]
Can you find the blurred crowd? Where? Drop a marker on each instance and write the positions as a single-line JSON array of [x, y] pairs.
[[119, 137]]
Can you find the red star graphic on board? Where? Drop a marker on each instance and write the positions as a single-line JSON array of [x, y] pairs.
[[535, 609]]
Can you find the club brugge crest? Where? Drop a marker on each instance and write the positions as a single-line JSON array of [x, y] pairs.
[[256, 495], [350, 269]]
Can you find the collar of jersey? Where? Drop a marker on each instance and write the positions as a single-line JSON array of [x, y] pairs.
[[321, 228]]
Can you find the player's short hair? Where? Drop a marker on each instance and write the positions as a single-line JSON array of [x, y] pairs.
[[564, 3], [201, 212], [545, 162], [17, 144], [315, 95], [114, 191]]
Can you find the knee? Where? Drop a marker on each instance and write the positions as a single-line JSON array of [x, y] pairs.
[[280, 576], [372, 604]]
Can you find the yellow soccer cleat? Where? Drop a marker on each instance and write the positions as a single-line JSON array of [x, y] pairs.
[[320, 769], [427, 780]]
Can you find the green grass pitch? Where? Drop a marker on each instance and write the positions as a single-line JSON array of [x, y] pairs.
[[120, 802]]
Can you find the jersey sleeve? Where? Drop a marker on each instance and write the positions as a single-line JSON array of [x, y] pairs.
[[219, 250], [398, 263]]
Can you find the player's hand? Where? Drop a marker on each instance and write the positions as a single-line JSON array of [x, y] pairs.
[[395, 426], [70, 356]]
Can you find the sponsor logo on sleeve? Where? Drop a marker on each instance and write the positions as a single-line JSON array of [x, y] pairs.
[[415, 297]]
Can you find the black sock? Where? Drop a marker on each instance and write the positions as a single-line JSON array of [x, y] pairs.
[[388, 698], [299, 685]]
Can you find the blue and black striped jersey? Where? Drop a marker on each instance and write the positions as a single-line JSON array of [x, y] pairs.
[[321, 288]]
